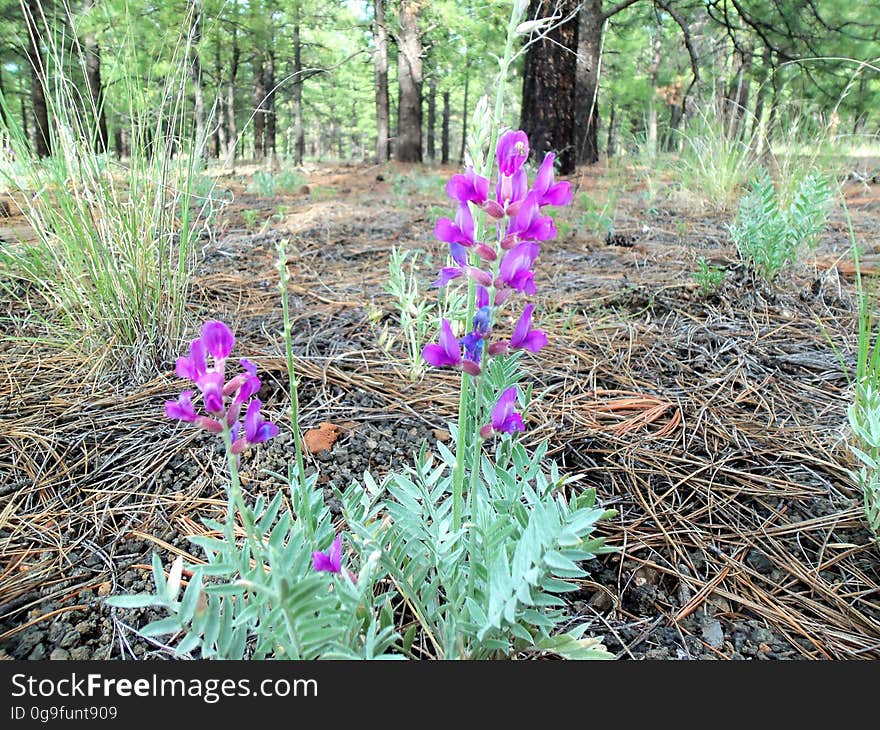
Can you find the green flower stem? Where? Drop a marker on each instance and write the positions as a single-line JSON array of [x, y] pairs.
[[466, 424], [236, 500], [293, 383]]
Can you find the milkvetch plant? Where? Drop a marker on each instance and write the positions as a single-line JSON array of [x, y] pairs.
[[283, 589], [481, 543]]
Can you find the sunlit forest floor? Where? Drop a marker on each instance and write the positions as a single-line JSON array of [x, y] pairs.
[[714, 423]]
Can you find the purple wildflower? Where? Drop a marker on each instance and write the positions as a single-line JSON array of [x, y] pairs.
[[469, 187], [524, 337], [446, 352], [546, 191], [505, 419], [194, 366], [217, 338], [529, 224], [473, 347], [211, 385], [331, 561], [482, 319], [181, 409], [515, 269], [460, 231], [256, 428], [512, 151]]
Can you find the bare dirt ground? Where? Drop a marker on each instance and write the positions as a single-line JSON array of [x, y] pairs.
[[715, 424]]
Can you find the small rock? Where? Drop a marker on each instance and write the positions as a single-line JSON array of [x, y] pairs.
[[38, 653], [713, 634], [80, 653], [59, 655]]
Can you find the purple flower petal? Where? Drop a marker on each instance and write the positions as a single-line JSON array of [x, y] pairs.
[[460, 231], [194, 366], [446, 352], [515, 269], [512, 151], [447, 274], [547, 192], [181, 409], [256, 430], [482, 297], [468, 187], [331, 561], [504, 418], [218, 339], [211, 385], [458, 253], [524, 337], [529, 225]]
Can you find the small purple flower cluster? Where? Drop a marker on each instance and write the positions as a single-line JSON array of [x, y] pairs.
[[501, 266], [217, 341]]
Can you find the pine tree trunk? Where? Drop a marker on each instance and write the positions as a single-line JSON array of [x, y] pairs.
[[271, 116], [586, 122], [196, 71], [259, 108], [380, 64], [299, 141], [432, 119], [409, 84], [444, 138], [221, 139], [42, 137], [232, 136], [548, 102]]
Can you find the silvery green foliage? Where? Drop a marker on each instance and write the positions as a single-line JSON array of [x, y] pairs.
[[268, 602], [769, 236], [864, 418], [495, 587]]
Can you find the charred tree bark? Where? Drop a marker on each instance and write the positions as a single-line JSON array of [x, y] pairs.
[[586, 110], [444, 136], [259, 108], [409, 83], [548, 101], [271, 150], [380, 65], [42, 135]]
